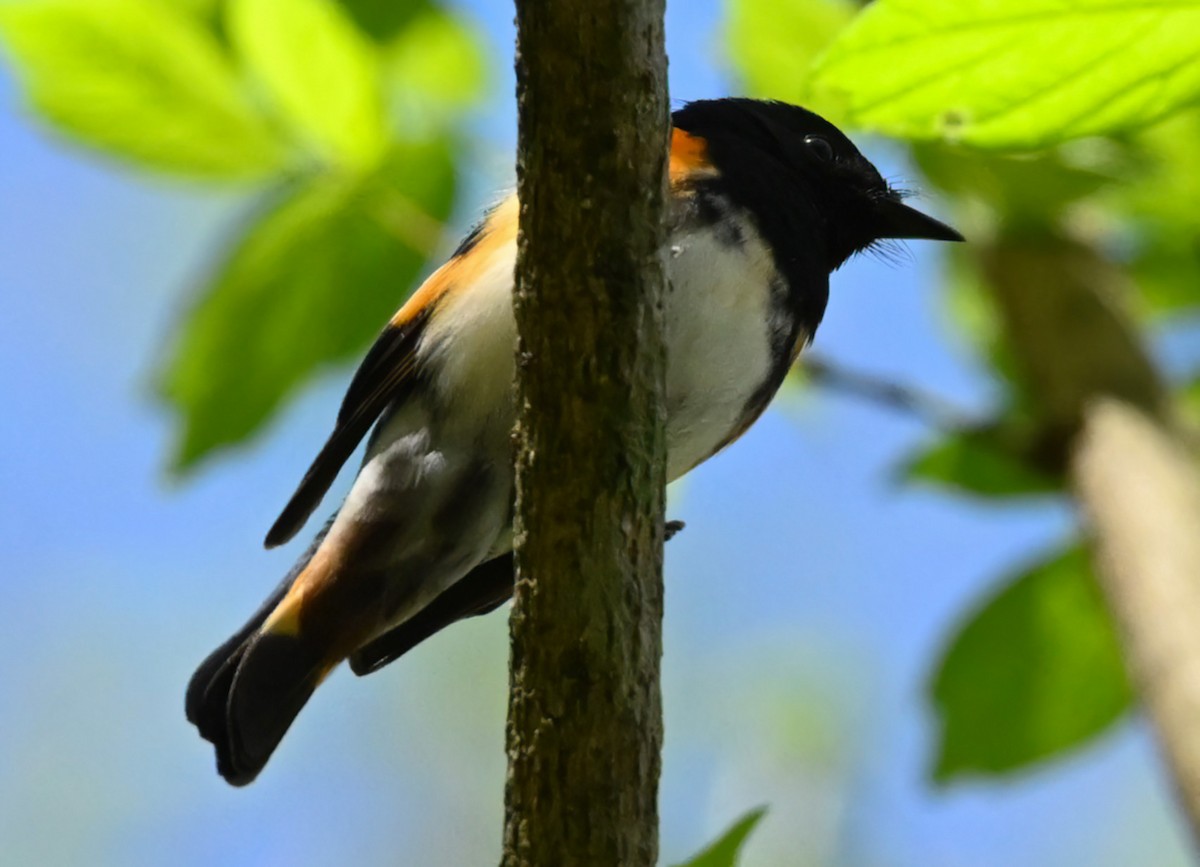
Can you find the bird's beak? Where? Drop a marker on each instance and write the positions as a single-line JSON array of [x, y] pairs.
[[898, 220]]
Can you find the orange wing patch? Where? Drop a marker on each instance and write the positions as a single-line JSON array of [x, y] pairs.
[[498, 231], [689, 158]]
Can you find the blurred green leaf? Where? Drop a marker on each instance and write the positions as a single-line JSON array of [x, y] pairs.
[[323, 74], [139, 79], [989, 461], [435, 69], [1035, 672], [1158, 202], [383, 19], [725, 851], [773, 44], [1032, 190], [200, 7], [966, 304], [1190, 399], [1017, 74], [309, 284], [1166, 271], [1037, 195]]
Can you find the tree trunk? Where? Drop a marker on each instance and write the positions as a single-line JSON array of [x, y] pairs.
[[585, 719]]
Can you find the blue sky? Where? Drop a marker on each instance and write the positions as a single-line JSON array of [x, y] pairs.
[[805, 601]]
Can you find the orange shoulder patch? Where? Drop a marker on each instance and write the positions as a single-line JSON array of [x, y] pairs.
[[689, 155]]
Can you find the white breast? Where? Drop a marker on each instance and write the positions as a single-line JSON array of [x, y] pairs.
[[471, 343], [719, 318], [718, 314]]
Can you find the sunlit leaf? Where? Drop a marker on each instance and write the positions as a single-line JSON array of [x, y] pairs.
[[725, 851], [1035, 672], [435, 69], [773, 43], [986, 461], [309, 284], [139, 79], [322, 73], [1021, 73], [200, 7]]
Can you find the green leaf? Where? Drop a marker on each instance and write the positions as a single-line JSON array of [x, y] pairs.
[[724, 852], [1190, 401], [204, 8], [1158, 202], [383, 19], [139, 79], [1166, 271], [772, 44], [1035, 672], [322, 73], [991, 461], [308, 285], [1031, 190], [435, 70], [1014, 74]]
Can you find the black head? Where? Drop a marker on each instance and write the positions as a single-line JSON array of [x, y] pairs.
[[804, 181]]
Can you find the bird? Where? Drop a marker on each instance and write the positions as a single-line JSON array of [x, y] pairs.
[[766, 200]]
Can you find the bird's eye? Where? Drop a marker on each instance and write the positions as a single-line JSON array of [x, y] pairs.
[[819, 147]]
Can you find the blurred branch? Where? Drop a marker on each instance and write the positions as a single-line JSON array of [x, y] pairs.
[[925, 406], [1093, 380], [1142, 495], [404, 220]]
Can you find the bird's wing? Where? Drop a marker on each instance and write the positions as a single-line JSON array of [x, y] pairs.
[[388, 372], [383, 376]]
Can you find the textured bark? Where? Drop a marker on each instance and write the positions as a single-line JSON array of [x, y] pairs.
[[1131, 467], [585, 720]]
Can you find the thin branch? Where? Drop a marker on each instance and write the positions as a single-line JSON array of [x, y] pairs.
[[923, 405]]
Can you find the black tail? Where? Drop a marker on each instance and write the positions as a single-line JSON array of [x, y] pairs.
[[247, 705], [244, 696]]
